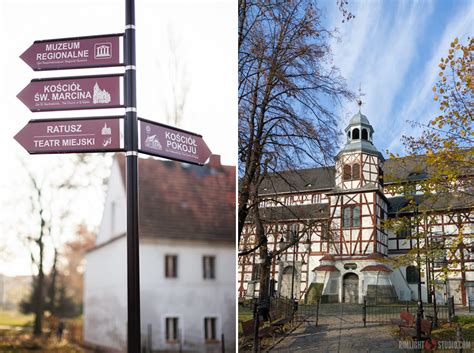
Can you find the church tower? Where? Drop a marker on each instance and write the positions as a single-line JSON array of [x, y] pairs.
[[357, 210]]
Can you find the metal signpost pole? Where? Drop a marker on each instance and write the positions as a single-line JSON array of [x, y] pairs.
[[131, 148]]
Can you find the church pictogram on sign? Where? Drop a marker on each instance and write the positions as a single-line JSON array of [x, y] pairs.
[[100, 95]]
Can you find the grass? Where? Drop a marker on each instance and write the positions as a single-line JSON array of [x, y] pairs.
[[446, 333], [15, 318]]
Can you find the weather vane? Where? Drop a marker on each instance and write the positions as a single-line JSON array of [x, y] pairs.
[[359, 101]]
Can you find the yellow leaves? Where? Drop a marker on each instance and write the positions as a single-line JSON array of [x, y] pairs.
[[463, 133], [441, 91], [434, 89], [435, 98], [441, 74]]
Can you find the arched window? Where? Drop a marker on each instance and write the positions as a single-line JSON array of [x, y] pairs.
[[412, 275], [347, 172], [355, 134], [356, 171], [364, 134]]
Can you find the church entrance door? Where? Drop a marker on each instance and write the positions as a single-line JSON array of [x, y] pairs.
[[350, 288]]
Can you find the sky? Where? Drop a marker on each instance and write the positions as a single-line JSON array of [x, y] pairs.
[[391, 49], [204, 39]]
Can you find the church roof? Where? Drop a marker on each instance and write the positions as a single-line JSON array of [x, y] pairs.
[[183, 201], [376, 268], [302, 180], [328, 268], [359, 119], [289, 213], [360, 146]]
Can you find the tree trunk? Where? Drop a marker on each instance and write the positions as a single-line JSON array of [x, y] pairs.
[[39, 297]]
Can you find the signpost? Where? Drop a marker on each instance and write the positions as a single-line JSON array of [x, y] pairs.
[[71, 135], [102, 134], [72, 93], [172, 143], [73, 53]]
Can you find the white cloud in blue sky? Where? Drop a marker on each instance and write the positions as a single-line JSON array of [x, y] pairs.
[[393, 48]]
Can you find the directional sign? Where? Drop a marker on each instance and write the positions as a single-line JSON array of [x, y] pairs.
[[166, 141], [73, 53], [71, 135], [71, 93]]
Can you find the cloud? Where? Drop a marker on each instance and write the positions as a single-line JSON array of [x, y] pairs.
[[420, 106]]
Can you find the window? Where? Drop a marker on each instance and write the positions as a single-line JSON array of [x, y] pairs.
[[349, 134], [172, 329], [292, 232], [210, 329], [255, 272], [208, 267], [412, 274], [351, 172], [347, 172], [351, 217], [364, 134], [356, 171], [316, 198], [356, 216], [355, 134], [171, 266]]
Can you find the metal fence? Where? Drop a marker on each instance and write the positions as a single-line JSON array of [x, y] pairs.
[[384, 313]]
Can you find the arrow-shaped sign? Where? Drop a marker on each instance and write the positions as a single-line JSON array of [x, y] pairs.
[[71, 93], [71, 135], [173, 143], [74, 53]]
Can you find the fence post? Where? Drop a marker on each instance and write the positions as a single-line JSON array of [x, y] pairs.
[[255, 328], [452, 303], [317, 310], [408, 306], [364, 312], [458, 338], [450, 313], [222, 344]]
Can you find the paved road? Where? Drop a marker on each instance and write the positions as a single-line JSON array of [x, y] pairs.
[[340, 330]]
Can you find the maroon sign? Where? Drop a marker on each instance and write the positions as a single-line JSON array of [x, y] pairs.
[[71, 135], [166, 141], [70, 53], [70, 93]]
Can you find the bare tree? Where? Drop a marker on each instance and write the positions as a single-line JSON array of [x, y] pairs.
[[288, 89], [49, 218], [178, 79]]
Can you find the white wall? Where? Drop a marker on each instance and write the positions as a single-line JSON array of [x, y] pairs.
[[105, 295], [188, 297], [113, 225]]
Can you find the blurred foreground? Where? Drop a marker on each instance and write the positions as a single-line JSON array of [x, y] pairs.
[[16, 335]]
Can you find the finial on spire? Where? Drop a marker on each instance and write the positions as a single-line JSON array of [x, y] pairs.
[[359, 101]]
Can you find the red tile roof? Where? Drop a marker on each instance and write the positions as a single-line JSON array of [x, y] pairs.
[[376, 268], [183, 201], [327, 257], [325, 268]]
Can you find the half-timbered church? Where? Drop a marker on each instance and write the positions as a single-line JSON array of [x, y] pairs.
[[344, 247]]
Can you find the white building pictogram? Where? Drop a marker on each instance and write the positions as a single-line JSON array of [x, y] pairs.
[[106, 130], [100, 95], [153, 142], [103, 51]]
